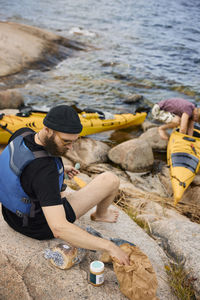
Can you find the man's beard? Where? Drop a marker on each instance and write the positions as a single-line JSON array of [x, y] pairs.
[[51, 147]]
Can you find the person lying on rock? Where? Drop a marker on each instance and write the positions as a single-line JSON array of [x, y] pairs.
[[176, 112], [31, 186]]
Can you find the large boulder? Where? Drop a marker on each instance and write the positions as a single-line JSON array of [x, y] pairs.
[[153, 138], [135, 155], [87, 151]]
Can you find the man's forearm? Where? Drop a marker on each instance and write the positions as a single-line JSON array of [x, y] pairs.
[[184, 123], [191, 128], [80, 238]]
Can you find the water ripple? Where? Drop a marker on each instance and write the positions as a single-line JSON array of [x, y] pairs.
[[145, 47]]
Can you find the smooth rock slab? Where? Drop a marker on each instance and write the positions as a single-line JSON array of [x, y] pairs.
[[40, 280], [22, 46], [181, 239], [125, 228]]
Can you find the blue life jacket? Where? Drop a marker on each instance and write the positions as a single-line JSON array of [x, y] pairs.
[[15, 157]]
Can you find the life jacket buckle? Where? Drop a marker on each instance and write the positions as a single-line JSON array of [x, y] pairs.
[[19, 213], [25, 200]]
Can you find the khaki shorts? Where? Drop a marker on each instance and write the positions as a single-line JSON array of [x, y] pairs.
[[161, 115]]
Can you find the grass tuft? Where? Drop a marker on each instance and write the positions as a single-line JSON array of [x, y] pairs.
[[180, 282], [121, 201], [133, 215]]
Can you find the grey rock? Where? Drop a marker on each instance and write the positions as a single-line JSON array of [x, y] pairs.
[[147, 125], [133, 98], [87, 151], [164, 177], [135, 155], [147, 182], [181, 239], [153, 138]]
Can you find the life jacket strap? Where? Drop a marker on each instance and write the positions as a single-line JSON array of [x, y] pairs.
[[32, 212], [25, 221], [24, 216]]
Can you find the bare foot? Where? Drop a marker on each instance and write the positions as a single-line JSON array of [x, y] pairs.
[[163, 134], [110, 216]]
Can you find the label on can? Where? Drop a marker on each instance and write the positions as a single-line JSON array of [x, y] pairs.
[[97, 279]]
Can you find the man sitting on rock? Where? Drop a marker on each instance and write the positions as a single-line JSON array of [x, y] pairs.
[[176, 112], [31, 186]]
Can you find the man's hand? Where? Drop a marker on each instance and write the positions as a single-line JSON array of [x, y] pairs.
[[70, 171], [119, 254]]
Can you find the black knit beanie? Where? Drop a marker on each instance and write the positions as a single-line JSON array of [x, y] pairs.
[[63, 118]]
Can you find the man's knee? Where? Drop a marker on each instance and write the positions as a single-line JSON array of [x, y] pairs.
[[111, 180]]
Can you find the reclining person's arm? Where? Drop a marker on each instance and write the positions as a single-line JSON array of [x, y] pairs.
[[74, 235], [191, 127], [184, 123]]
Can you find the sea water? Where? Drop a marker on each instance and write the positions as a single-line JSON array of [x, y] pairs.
[[151, 48]]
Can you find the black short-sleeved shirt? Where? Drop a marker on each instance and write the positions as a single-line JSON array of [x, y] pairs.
[[39, 180]]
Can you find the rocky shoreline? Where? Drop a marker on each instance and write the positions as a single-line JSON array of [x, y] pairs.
[[24, 47], [145, 188], [149, 195]]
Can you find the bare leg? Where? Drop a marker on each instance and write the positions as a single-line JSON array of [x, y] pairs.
[[162, 129], [100, 192]]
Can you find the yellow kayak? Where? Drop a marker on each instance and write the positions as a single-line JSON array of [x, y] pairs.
[[183, 157], [92, 123]]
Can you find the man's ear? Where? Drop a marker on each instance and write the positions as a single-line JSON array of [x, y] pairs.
[[48, 131]]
